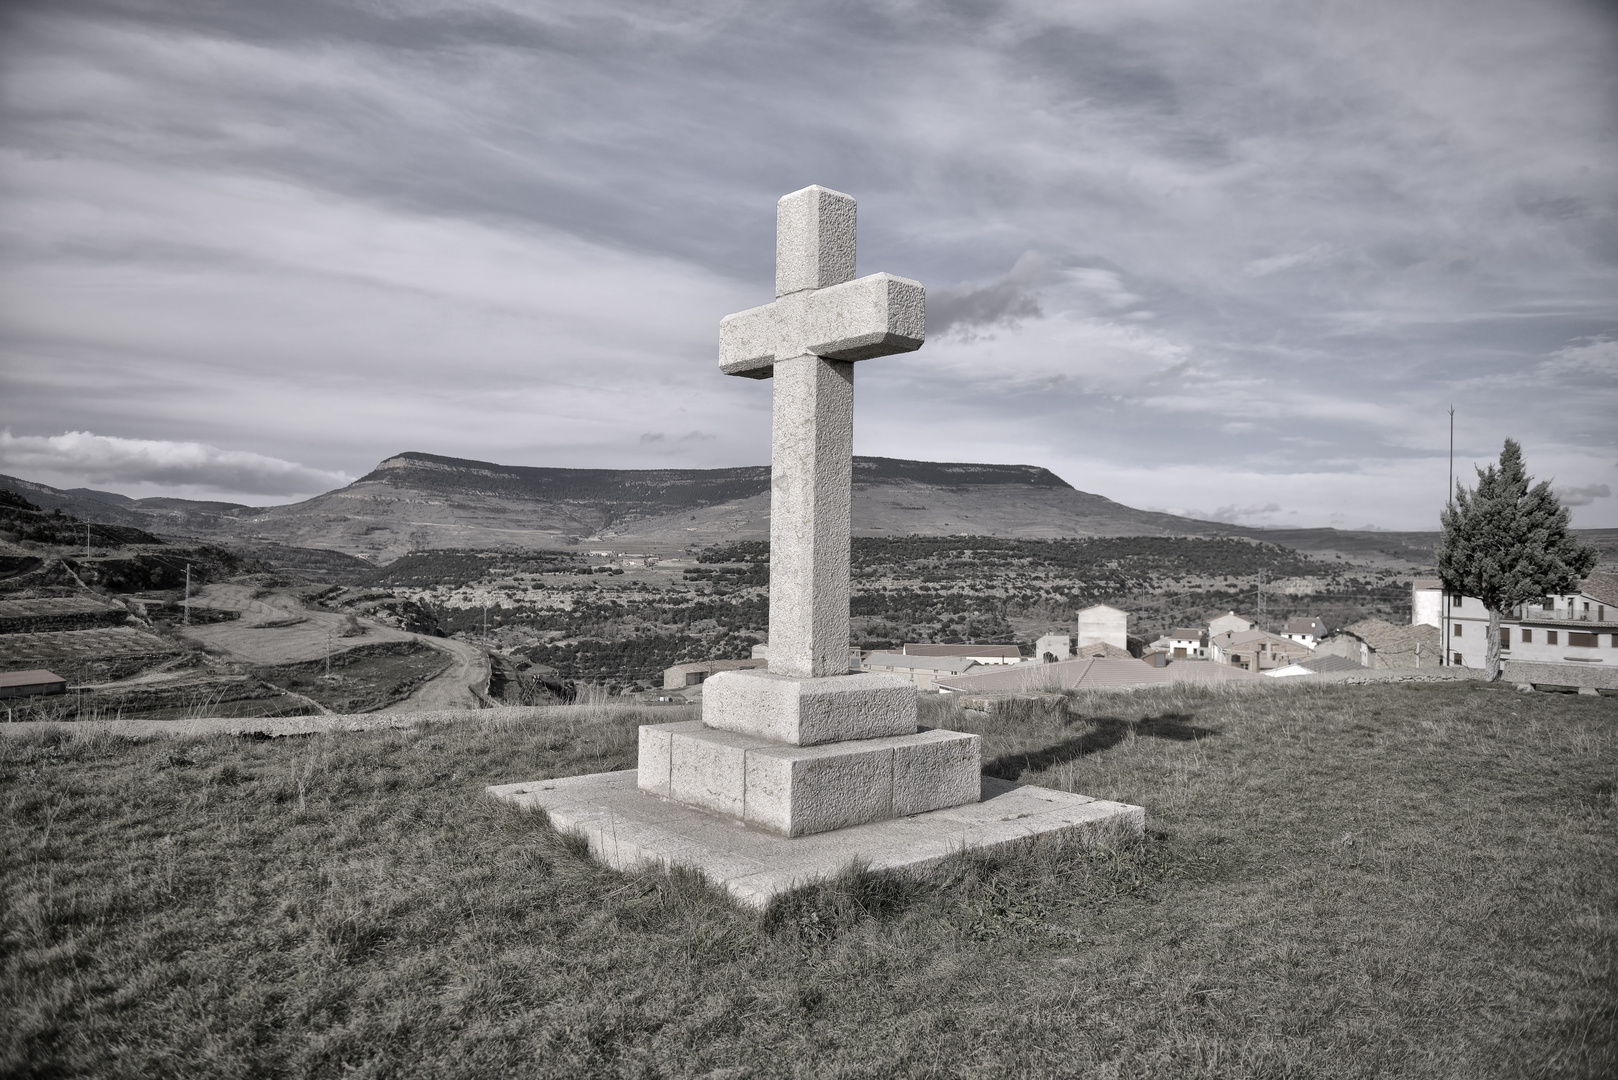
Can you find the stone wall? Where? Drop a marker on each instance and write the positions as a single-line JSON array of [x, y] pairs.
[[1594, 676]]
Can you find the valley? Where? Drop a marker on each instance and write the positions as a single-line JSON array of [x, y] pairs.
[[440, 583]]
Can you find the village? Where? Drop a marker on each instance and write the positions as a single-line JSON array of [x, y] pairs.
[[1575, 634]]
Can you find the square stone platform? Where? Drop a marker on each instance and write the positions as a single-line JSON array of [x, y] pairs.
[[797, 790], [630, 829]]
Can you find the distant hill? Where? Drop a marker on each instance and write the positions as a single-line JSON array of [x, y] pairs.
[[416, 501]]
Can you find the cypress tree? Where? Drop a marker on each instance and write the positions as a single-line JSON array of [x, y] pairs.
[[1508, 543]]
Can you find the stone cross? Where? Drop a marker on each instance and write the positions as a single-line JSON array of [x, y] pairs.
[[822, 320]]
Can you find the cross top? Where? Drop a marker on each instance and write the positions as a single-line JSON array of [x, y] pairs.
[[820, 310], [821, 321]]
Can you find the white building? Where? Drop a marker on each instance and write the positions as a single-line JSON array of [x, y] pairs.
[[1568, 628], [921, 670], [1053, 648], [1185, 643], [1305, 630], [978, 654], [1101, 623], [1229, 623]]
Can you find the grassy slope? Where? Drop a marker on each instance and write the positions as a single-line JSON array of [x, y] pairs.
[[1338, 881]]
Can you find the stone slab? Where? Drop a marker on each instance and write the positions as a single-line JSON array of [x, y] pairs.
[[628, 829], [807, 711], [799, 790]]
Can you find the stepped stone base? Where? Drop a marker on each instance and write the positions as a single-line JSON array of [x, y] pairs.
[[630, 830], [805, 712], [800, 790]]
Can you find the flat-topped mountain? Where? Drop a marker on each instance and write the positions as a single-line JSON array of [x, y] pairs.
[[414, 501]]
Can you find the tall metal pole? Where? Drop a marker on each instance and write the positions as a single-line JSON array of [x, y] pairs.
[[1443, 593], [187, 594], [1451, 498]]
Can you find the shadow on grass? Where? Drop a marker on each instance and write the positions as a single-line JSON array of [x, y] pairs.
[[982, 893], [1109, 732]]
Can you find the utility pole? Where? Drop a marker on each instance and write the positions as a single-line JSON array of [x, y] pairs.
[[1443, 593], [86, 539], [1261, 598], [187, 620], [485, 627], [328, 652]]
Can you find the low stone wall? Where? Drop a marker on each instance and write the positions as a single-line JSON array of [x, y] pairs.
[[275, 727], [1593, 676], [1383, 675]]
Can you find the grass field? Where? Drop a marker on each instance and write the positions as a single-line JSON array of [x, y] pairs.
[[1337, 881]]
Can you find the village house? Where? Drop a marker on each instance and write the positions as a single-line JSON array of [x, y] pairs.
[[1306, 630], [924, 671], [1254, 650], [1052, 648], [1103, 623], [1103, 649], [1229, 623], [978, 654], [1568, 628], [1374, 643], [1088, 674], [1183, 643], [681, 676], [1316, 665]]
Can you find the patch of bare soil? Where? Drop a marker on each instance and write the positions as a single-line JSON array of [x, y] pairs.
[[275, 629]]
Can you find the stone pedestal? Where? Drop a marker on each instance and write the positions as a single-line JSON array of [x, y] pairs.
[[801, 756]]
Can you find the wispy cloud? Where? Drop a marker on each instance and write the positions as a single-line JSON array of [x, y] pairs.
[[1234, 513], [1005, 301], [1583, 496], [107, 459]]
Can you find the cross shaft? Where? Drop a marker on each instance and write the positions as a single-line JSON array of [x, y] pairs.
[[808, 339]]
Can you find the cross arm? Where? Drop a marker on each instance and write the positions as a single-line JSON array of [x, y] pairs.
[[873, 316]]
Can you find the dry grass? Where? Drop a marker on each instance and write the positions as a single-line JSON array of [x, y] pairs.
[[1337, 881]]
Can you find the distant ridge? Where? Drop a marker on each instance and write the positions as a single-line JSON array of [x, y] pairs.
[[415, 501]]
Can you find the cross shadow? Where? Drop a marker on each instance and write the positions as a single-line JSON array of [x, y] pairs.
[[1109, 732]]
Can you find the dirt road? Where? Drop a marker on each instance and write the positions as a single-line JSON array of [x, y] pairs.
[[275, 628], [453, 689]]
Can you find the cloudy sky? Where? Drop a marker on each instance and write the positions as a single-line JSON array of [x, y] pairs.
[[1233, 259]]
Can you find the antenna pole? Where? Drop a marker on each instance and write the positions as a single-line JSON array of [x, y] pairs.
[[1443, 593]]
